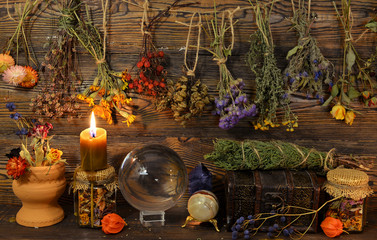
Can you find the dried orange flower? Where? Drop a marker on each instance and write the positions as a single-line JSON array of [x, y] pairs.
[[6, 61], [30, 79]]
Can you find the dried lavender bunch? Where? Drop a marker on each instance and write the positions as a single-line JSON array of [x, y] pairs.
[[308, 69], [232, 104], [270, 95], [58, 96]]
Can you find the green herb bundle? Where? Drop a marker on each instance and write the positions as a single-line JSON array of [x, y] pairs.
[[355, 81], [308, 69], [270, 95], [108, 84], [253, 154], [58, 95]]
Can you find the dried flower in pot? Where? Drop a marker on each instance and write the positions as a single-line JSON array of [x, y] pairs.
[[38, 175]]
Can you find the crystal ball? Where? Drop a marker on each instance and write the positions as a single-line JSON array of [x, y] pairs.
[[152, 178]]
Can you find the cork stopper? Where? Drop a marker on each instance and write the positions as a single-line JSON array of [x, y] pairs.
[[350, 183]]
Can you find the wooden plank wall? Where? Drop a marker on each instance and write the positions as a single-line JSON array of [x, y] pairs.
[[316, 127]]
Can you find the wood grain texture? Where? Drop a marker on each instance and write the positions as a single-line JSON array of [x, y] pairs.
[[316, 127]]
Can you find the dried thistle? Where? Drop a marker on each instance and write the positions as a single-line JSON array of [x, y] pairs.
[[308, 69], [270, 95]]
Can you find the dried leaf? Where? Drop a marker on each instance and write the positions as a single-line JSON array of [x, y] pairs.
[[353, 93], [372, 26], [293, 51], [351, 58], [334, 91]]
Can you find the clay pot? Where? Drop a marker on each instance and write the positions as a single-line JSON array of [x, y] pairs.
[[39, 190]]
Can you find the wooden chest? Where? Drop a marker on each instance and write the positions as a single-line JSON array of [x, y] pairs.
[[252, 192]]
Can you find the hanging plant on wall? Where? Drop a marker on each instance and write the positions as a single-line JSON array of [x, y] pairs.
[[232, 103], [57, 98], [355, 81], [151, 73], [106, 95], [187, 96], [270, 95], [23, 76], [308, 69]]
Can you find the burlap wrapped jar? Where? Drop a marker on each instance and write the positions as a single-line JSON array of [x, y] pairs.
[[351, 189], [95, 195]]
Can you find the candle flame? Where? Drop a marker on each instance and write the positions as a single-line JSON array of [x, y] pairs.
[[93, 129]]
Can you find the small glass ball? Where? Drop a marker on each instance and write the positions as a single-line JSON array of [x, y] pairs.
[[152, 178]]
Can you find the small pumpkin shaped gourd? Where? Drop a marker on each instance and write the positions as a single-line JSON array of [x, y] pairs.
[[332, 227], [112, 223]]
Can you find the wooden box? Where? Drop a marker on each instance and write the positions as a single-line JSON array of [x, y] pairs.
[[252, 192]]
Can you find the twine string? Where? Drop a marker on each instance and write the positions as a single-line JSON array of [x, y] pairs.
[[144, 19], [329, 158], [191, 72]]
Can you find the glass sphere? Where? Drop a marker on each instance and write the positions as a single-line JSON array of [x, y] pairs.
[[152, 178]]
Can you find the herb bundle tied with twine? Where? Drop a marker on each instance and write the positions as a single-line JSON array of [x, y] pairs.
[[57, 97], [270, 95], [268, 155], [188, 96], [107, 85], [307, 69], [232, 103]]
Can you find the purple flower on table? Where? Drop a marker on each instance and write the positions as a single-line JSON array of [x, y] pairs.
[[15, 116], [11, 106], [23, 131]]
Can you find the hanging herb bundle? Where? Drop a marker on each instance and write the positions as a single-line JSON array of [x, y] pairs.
[[308, 69], [187, 97], [58, 97], [23, 76], [106, 94], [253, 154], [151, 72], [20, 40], [355, 81], [270, 95], [232, 104]]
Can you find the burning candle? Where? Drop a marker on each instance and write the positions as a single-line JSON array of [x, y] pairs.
[[93, 143]]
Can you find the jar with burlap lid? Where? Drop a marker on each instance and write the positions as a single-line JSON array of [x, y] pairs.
[[94, 195], [351, 188]]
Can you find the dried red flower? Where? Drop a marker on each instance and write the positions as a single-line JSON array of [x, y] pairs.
[[16, 167]]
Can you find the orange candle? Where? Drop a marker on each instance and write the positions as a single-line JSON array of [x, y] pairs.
[[93, 145]]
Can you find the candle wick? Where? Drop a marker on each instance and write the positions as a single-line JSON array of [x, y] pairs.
[[92, 134]]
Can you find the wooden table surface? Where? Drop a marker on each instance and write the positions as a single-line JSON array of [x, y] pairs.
[[68, 229]]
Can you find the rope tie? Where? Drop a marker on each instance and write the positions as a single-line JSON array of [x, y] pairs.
[[243, 153], [100, 61], [190, 73], [220, 61], [329, 158]]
